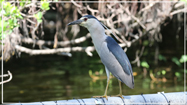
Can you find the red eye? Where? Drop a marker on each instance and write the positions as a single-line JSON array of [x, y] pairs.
[[85, 19]]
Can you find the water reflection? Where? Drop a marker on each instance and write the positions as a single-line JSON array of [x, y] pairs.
[[45, 80], [46, 86]]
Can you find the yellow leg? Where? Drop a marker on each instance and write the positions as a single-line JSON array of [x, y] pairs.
[[108, 81], [120, 90], [105, 94]]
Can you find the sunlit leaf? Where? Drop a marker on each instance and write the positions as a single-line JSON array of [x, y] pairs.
[[101, 71], [5, 24], [13, 10], [19, 16], [163, 72], [177, 74], [7, 4], [45, 5], [1, 1], [22, 4], [90, 72], [39, 20], [38, 16], [144, 64], [183, 58]]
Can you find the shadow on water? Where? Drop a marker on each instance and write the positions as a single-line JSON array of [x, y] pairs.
[[52, 77]]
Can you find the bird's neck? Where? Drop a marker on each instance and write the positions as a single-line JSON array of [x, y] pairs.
[[97, 32], [98, 36]]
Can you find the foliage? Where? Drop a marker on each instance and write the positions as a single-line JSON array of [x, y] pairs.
[[163, 72], [38, 16], [144, 64], [45, 5], [161, 57], [18, 20], [176, 61], [179, 62], [183, 59], [11, 15]]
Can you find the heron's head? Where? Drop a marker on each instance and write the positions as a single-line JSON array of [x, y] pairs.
[[86, 21]]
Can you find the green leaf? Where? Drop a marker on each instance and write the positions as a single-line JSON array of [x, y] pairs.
[[158, 73], [39, 20], [161, 57], [101, 71], [90, 72], [45, 5], [7, 4], [14, 10], [1, 1], [22, 4], [38, 16], [19, 16], [176, 61], [5, 24], [177, 74], [163, 72], [183, 58], [144, 64]]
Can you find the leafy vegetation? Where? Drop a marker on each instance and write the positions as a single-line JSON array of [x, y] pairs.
[[11, 15], [9, 21]]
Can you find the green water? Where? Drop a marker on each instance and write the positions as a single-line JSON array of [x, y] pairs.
[[52, 77]]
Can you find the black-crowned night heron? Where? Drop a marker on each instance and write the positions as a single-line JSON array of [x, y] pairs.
[[111, 54]]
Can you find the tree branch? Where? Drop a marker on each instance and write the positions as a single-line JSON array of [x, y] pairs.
[[50, 43], [6, 75], [88, 50]]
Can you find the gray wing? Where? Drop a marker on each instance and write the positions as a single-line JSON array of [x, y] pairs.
[[116, 61]]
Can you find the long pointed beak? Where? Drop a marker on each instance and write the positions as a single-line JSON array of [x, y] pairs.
[[75, 22]]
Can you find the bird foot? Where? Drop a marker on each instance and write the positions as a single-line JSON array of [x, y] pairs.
[[119, 95], [104, 96]]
